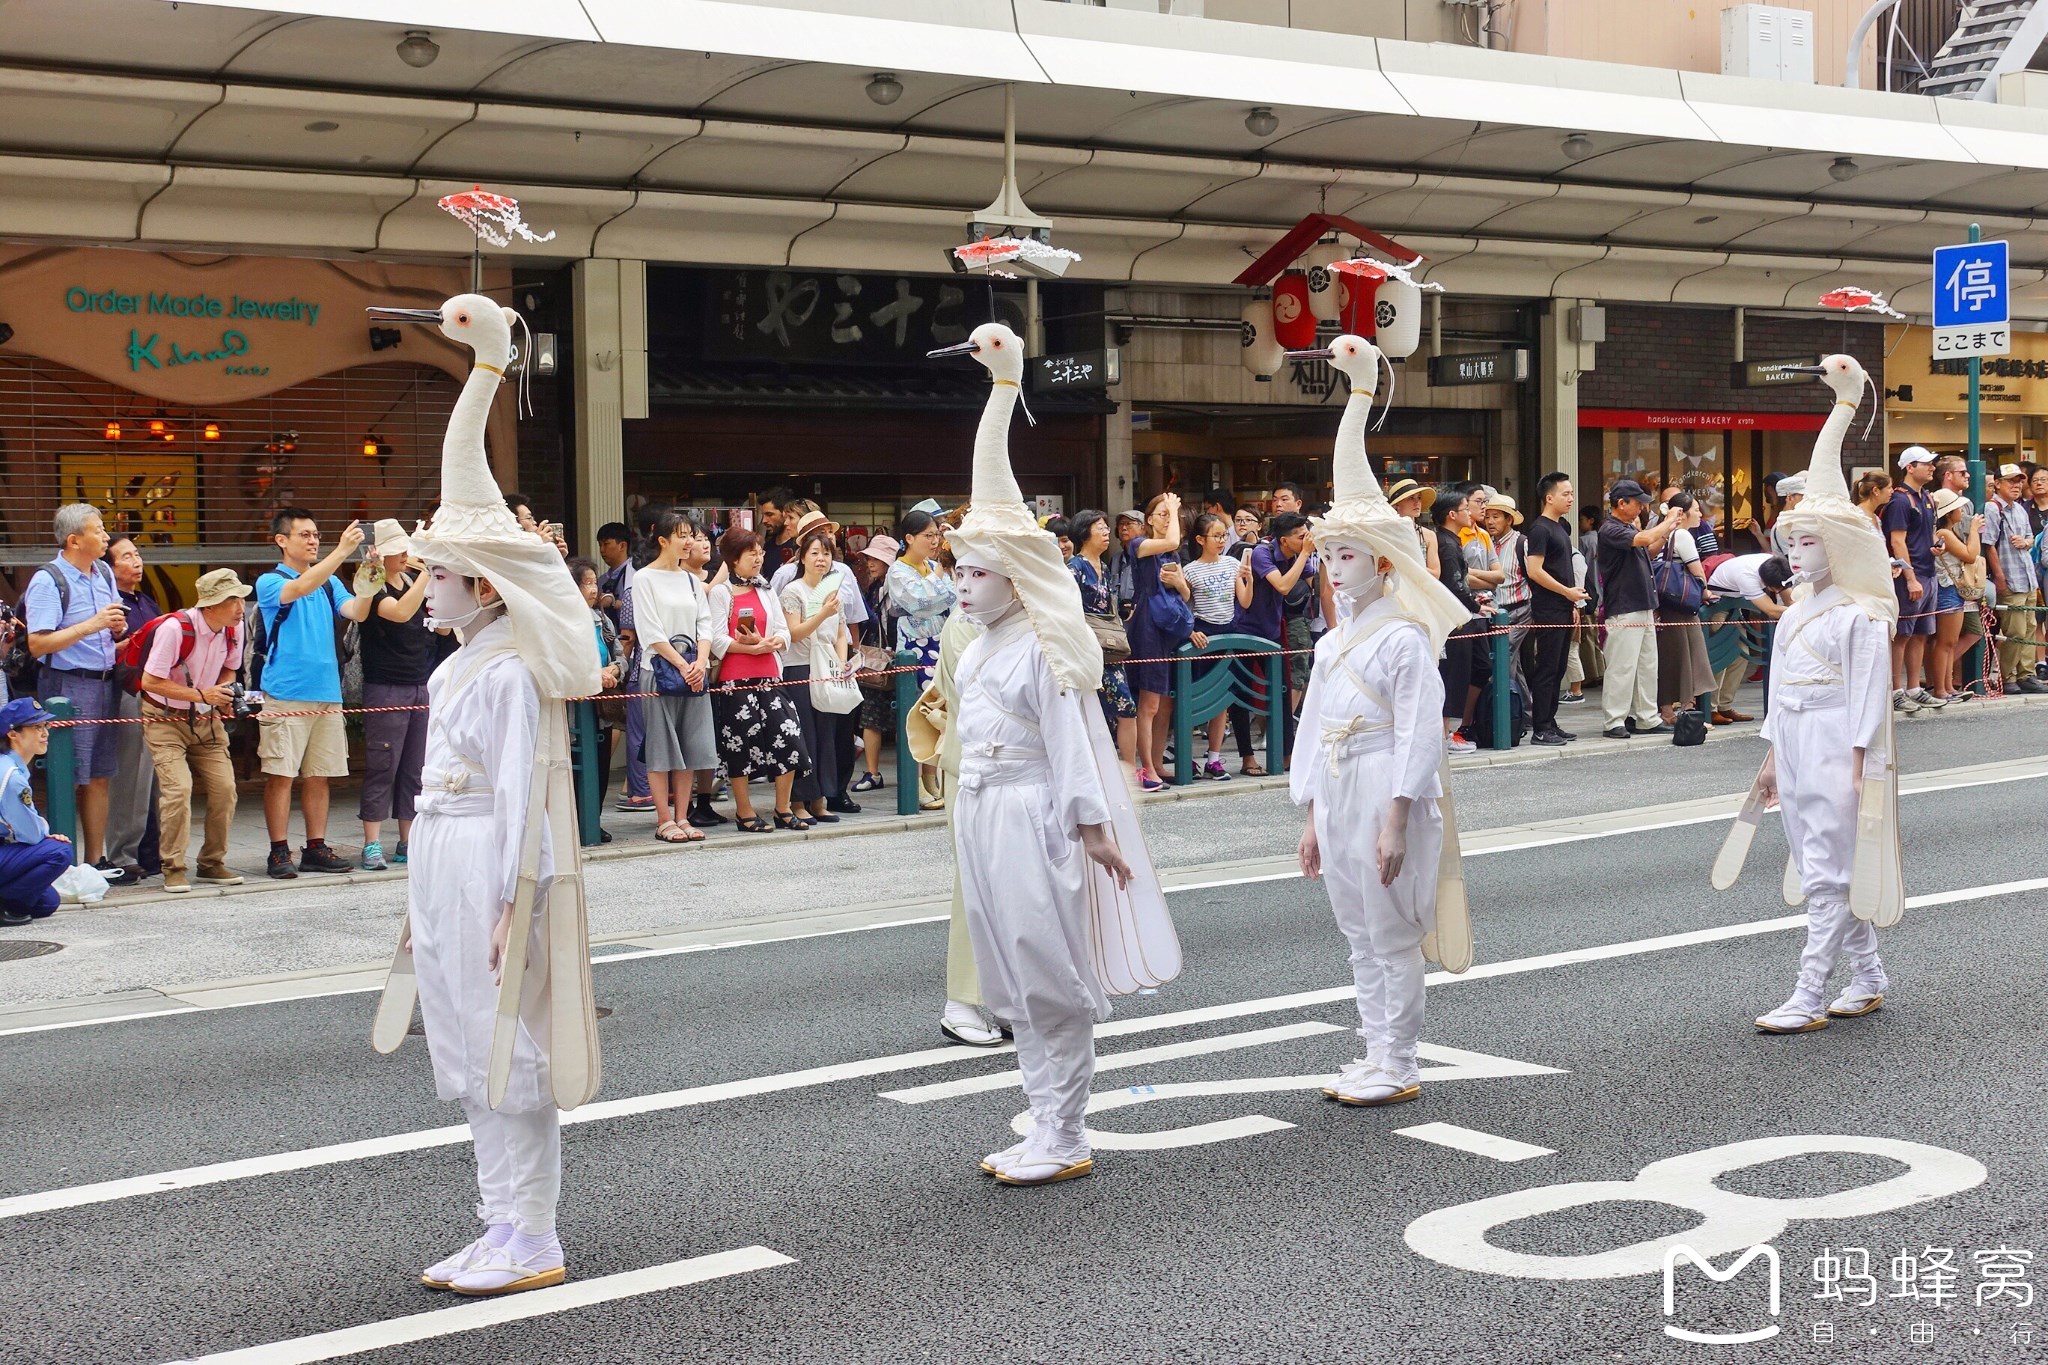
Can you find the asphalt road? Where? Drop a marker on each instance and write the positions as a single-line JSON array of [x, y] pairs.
[[1235, 1215]]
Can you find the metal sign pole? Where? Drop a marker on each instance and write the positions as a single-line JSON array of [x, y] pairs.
[[1976, 453]]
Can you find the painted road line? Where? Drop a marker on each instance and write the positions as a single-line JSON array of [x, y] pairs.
[[358, 979], [1117, 1061], [76, 1196], [1473, 1141], [469, 1317]]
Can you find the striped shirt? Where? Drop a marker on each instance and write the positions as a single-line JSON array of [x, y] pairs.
[[1214, 588]]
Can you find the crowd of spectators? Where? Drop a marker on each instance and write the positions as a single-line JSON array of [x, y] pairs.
[[744, 662]]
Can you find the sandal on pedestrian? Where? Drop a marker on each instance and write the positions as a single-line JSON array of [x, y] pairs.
[[669, 832], [754, 824], [792, 821], [1250, 768]]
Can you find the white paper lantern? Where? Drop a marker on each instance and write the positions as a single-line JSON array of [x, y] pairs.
[[1325, 289], [1397, 315], [1258, 347]]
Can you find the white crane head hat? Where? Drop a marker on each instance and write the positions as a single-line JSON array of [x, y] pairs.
[[1857, 557], [1000, 534], [476, 535], [1360, 515]]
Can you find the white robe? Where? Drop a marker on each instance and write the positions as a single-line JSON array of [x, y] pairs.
[[1028, 782], [482, 736], [1830, 694], [1352, 758]]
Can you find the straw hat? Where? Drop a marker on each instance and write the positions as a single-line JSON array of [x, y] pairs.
[[217, 586], [1501, 502], [1405, 489]]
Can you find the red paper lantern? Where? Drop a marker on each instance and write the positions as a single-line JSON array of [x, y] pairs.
[[1294, 324], [1354, 306]]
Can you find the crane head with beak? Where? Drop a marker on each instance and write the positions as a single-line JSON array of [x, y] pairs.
[[993, 346], [475, 321]]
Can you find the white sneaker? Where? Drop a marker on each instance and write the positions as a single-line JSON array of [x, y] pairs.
[[441, 1274], [1903, 701], [1926, 698], [496, 1272], [1454, 745]]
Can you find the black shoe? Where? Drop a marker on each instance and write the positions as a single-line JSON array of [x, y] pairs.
[[1660, 728], [826, 819], [1550, 739], [843, 805], [115, 874], [280, 864], [14, 919], [1628, 723], [321, 858], [604, 836], [702, 816], [1566, 733], [1617, 733]]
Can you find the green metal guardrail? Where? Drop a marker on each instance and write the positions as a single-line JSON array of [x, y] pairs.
[[1258, 683]]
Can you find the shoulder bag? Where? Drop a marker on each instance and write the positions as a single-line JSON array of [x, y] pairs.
[[1677, 589]]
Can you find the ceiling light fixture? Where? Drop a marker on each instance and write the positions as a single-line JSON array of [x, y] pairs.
[[1844, 168], [417, 48], [1261, 122], [885, 88], [383, 338], [1578, 146]]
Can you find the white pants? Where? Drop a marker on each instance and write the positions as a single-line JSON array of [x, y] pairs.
[[518, 1166], [1832, 932], [1383, 924], [1630, 683], [1056, 1059]]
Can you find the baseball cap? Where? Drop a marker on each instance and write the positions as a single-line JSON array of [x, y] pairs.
[[1131, 514], [23, 711], [218, 585], [1913, 455], [2011, 471], [1627, 488]]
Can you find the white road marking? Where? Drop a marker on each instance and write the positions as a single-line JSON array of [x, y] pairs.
[[361, 980], [101, 1192], [1116, 1061], [476, 1313], [1473, 1141]]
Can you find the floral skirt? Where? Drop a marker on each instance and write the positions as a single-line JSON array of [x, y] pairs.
[[1117, 702], [759, 731]]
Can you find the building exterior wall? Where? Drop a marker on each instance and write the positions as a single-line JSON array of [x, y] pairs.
[[1683, 34]]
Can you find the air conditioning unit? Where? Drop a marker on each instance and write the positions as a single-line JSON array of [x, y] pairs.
[[1767, 42]]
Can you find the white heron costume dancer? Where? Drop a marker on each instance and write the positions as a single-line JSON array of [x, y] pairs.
[[1832, 766], [1063, 906], [498, 944], [1369, 757]]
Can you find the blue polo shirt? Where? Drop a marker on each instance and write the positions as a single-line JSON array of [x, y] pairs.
[[42, 609], [302, 666]]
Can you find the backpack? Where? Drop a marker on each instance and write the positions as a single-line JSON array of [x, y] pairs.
[[20, 665], [134, 651], [263, 638]]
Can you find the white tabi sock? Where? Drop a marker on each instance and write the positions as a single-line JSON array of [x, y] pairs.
[[536, 1253]]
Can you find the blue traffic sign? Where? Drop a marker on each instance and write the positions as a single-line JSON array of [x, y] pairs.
[[1971, 286]]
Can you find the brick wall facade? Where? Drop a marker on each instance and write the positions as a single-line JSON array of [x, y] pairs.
[[1677, 359]]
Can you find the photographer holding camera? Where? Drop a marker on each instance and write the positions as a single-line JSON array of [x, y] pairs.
[[188, 682]]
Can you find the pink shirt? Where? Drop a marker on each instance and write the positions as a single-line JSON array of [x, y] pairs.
[[202, 667]]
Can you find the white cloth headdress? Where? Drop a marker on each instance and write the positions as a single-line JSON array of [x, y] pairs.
[[476, 535], [1361, 514], [1000, 534], [1858, 559]]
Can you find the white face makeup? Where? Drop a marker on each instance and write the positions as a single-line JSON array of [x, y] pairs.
[[986, 597], [1354, 571], [1808, 555], [452, 602]]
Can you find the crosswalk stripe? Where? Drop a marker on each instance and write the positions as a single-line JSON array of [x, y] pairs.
[[478, 1313]]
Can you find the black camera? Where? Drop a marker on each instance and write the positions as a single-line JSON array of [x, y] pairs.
[[242, 702]]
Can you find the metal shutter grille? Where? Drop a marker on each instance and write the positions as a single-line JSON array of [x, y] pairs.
[[191, 500]]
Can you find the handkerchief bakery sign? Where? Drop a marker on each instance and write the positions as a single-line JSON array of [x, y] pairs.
[[211, 331]]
